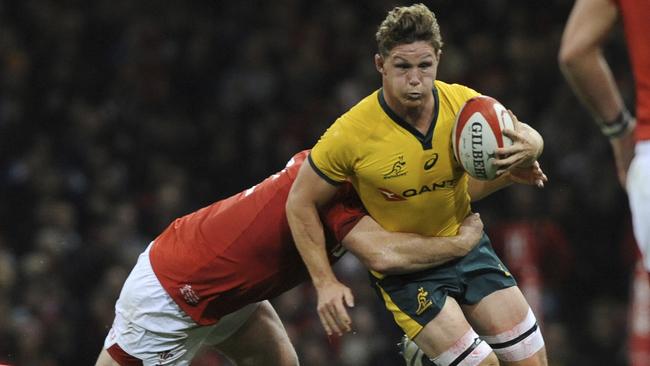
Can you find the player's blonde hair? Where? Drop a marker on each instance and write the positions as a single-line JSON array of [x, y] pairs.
[[408, 24]]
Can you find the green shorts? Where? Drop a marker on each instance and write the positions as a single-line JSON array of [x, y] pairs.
[[416, 298]]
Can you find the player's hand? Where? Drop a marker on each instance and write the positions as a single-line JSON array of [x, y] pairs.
[[528, 175], [527, 146], [471, 232], [333, 300]]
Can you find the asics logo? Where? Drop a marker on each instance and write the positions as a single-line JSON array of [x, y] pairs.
[[431, 162]]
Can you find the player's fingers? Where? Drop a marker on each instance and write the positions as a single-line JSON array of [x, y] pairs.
[[539, 172], [330, 318], [475, 221], [544, 178], [509, 150], [341, 313], [500, 163], [539, 178], [514, 118], [509, 162], [349, 298], [342, 317], [322, 314], [472, 218], [512, 134]]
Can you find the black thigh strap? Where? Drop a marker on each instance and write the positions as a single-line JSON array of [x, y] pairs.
[[515, 340], [469, 350]]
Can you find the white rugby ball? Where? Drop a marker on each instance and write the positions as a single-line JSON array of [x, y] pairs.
[[478, 133]]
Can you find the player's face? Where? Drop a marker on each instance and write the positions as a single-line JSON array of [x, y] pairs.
[[408, 73]]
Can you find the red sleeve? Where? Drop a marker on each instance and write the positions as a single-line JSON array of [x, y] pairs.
[[343, 212]]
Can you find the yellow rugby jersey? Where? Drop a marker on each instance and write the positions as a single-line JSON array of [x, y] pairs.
[[408, 181]]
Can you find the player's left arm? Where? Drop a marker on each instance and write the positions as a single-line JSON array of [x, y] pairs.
[[533, 175]]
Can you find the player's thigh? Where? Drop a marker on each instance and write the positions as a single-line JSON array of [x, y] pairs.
[[105, 359], [498, 311], [449, 339], [444, 330], [504, 319], [262, 340]]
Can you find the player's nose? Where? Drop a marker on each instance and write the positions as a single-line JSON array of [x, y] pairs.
[[413, 77]]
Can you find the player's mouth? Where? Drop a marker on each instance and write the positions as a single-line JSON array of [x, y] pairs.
[[413, 95]]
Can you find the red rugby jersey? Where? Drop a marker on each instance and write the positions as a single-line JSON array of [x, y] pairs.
[[239, 250], [636, 20]]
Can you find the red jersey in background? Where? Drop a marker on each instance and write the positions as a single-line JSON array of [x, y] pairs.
[[635, 14]]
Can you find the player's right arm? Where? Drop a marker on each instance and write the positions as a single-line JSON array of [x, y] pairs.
[[395, 253], [582, 61], [308, 192], [585, 68]]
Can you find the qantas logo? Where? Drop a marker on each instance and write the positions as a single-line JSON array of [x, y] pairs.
[[390, 196]]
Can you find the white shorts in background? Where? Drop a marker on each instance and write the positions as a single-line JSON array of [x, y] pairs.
[[150, 326], [638, 191]]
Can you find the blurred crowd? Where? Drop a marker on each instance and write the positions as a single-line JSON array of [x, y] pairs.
[[117, 116]]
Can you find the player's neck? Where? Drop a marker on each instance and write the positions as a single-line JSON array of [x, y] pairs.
[[417, 116], [420, 117]]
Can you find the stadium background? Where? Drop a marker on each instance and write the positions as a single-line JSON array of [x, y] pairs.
[[117, 116]]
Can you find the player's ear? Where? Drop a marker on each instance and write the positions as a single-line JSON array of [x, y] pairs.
[[438, 54], [379, 63]]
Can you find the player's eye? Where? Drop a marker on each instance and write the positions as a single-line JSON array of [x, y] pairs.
[[403, 66], [425, 65]]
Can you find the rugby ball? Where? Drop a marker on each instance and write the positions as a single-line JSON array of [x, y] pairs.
[[477, 133]]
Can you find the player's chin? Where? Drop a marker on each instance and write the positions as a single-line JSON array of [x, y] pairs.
[[411, 102]]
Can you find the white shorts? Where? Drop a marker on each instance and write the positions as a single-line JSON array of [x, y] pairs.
[[638, 190], [150, 326]]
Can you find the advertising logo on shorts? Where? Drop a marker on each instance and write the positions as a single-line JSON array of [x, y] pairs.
[[423, 301], [189, 295]]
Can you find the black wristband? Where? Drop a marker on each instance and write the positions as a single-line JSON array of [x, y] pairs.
[[618, 126]]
